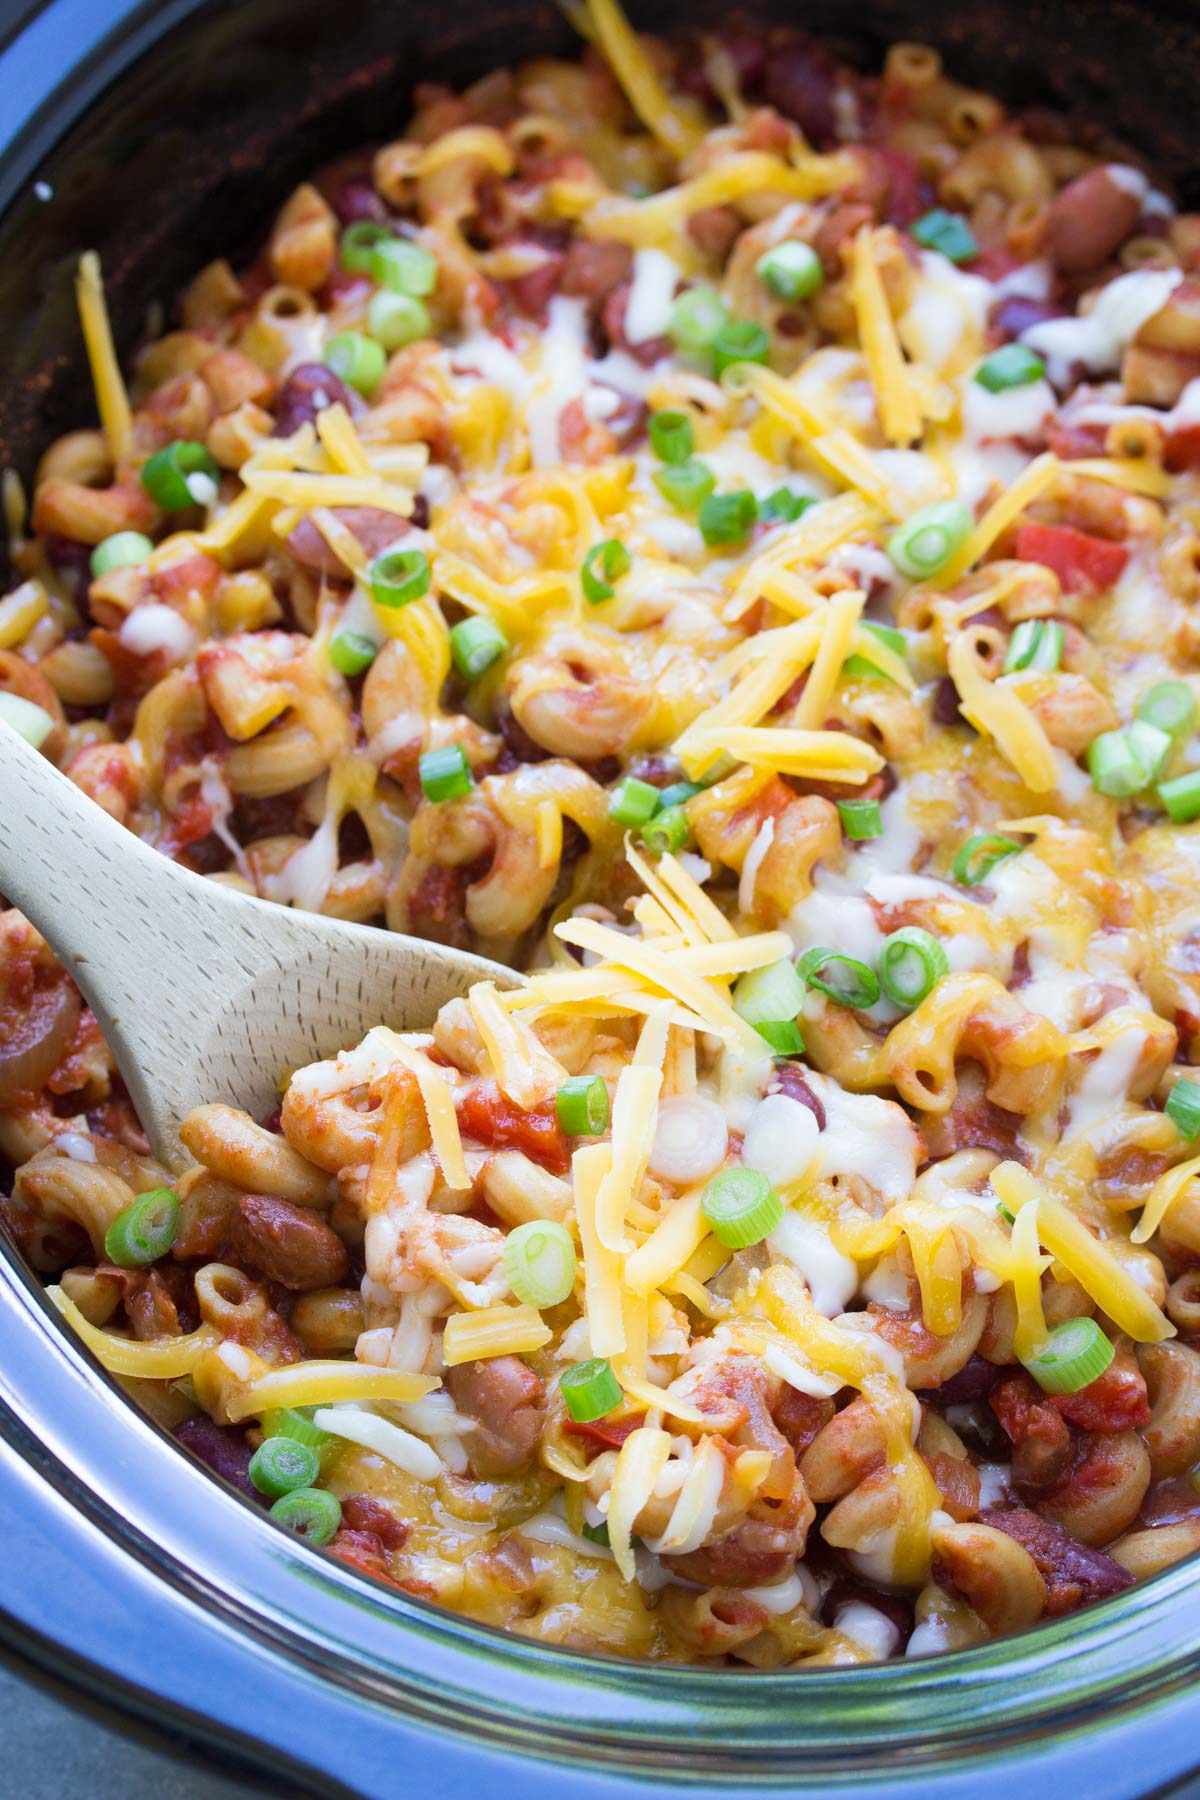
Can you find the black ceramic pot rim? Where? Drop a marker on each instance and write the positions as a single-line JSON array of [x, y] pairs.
[[144, 1583]]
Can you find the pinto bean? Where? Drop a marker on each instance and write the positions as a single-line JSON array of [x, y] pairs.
[[592, 271], [1089, 218], [505, 1399], [375, 529], [289, 1244], [307, 391], [1074, 1574]]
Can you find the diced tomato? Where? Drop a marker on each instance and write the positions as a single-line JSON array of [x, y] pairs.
[[486, 1115], [1183, 448], [609, 1432], [1115, 1401], [1080, 560]]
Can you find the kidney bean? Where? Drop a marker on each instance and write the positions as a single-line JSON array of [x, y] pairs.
[[1088, 219], [355, 200], [789, 1079], [1074, 1573], [974, 1380], [592, 271], [745, 50], [224, 1450], [308, 390], [1017, 312], [799, 81], [362, 1513]]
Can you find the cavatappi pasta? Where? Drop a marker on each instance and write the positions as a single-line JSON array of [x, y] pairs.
[[720, 533]]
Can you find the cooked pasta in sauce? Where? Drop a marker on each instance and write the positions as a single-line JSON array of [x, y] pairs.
[[719, 534]]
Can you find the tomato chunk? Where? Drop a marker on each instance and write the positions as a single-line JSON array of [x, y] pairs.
[[486, 1115], [1080, 560]]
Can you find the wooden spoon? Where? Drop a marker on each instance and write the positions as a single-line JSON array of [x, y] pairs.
[[203, 994]]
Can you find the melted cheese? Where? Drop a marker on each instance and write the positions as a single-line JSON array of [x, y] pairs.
[[112, 402], [899, 408], [493, 1331]]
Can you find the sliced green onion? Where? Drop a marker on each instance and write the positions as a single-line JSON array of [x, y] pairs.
[[31, 722], [350, 652], [1035, 644], [632, 802], [181, 475], [671, 436], [1183, 1107], [678, 794], [975, 860], [696, 317], [740, 341], [767, 996], [862, 665], [312, 1513], [1073, 1356], [911, 963], [604, 563], [741, 1207], [947, 232], [782, 1035], [668, 831], [144, 1231], [582, 1106], [842, 979], [598, 1534], [1180, 796], [790, 271], [357, 360], [1010, 1218], [1013, 365], [861, 819], [685, 485], [294, 1422], [280, 1465], [1122, 763], [397, 319], [590, 1390], [728, 518], [928, 539], [475, 644], [398, 577], [784, 507], [359, 243], [539, 1262], [404, 267], [445, 774], [1171, 705], [123, 550]]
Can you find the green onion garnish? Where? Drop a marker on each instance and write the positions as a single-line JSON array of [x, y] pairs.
[[728, 518], [398, 577], [357, 360], [1170, 705], [582, 1106], [739, 342], [632, 802], [842, 979], [598, 1534], [975, 860], [1183, 1107], [1010, 1218], [947, 232], [741, 1207], [862, 665], [181, 475], [397, 319], [668, 831], [604, 563], [144, 1231], [911, 963], [784, 507], [782, 1035], [927, 540], [280, 1465], [696, 317], [1180, 796], [294, 1422], [671, 436], [122, 550], [1035, 644], [312, 1513], [358, 245], [539, 1262], [685, 485], [404, 267], [31, 722], [1122, 763], [769, 996], [1073, 1356], [790, 271], [445, 774], [861, 819], [1011, 366], [350, 652], [590, 1390], [475, 644], [678, 794]]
